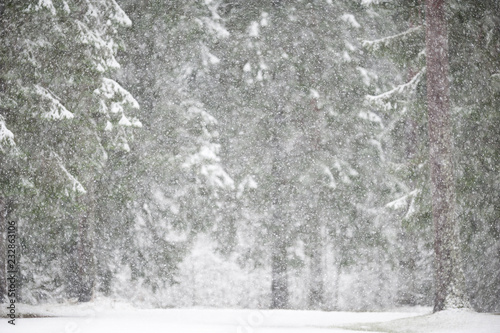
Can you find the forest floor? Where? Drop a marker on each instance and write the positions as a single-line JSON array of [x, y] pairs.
[[108, 316]]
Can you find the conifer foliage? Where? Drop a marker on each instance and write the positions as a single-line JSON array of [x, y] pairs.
[[310, 154]]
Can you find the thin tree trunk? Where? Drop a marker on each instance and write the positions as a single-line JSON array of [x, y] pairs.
[[316, 283], [338, 272], [279, 265], [279, 286], [316, 280], [449, 278], [86, 261]]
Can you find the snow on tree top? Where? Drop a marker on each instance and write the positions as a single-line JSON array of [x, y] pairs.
[[44, 4]]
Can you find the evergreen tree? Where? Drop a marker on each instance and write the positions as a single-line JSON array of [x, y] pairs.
[[56, 103], [293, 113], [469, 91], [179, 182]]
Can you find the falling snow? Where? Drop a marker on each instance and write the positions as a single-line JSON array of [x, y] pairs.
[[249, 166]]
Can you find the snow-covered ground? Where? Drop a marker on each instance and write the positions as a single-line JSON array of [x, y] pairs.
[[117, 317]]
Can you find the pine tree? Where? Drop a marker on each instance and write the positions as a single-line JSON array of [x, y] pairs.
[[180, 184], [56, 104], [291, 64], [472, 89]]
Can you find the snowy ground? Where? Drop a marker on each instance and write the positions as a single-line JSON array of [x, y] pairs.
[[115, 317]]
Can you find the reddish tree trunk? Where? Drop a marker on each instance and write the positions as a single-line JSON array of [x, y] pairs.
[[449, 278]]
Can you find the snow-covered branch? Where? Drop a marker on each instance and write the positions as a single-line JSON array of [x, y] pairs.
[[6, 136], [384, 100], [383, 43], [75, 184], [56, 110]]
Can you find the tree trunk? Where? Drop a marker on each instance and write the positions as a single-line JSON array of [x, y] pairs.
[[449, 278], [85, 262], [86, 270], [315, 251], [338, 272], [279, 265], [279, 286], [316, 283]]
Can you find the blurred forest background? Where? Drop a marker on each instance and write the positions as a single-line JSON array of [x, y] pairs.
[[235, 153]]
